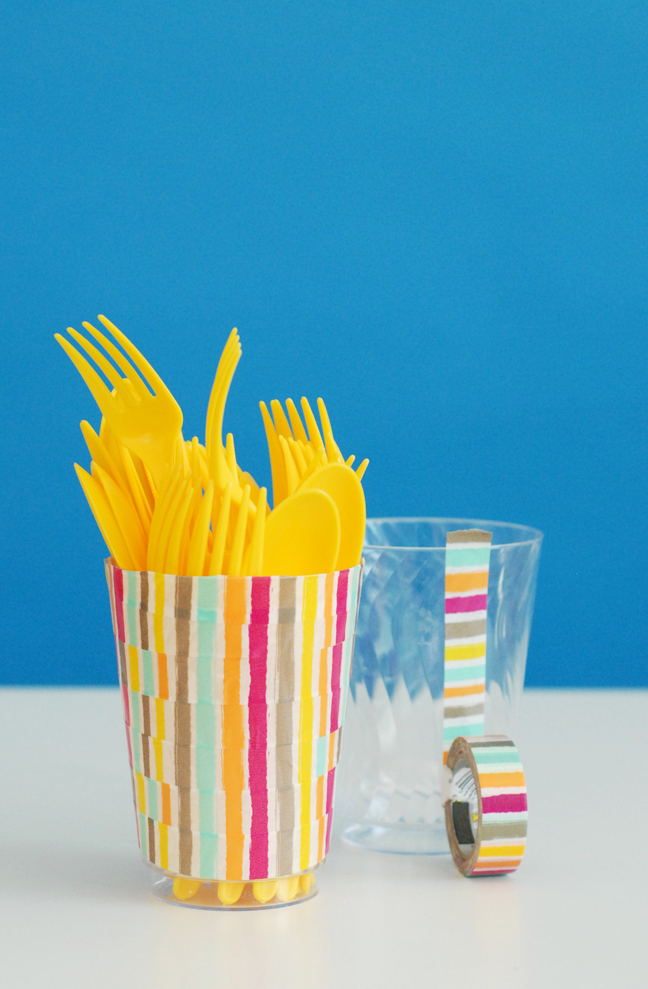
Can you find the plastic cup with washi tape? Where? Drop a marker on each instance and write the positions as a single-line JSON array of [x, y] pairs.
[[234, 692], [485, 802]]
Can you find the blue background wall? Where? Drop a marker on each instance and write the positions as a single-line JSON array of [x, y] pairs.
[[432, 214]]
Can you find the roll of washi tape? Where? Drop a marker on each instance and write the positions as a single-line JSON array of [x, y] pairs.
[[485, 802]]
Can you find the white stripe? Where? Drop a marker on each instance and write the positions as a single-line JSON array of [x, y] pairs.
[[467, 719], [501, 791], [460, 616], [499, 767], [466, 640], [515, 817], [504, 840], [460, 664], [477, 592], [478, 569], [464, 700], [469, 545]]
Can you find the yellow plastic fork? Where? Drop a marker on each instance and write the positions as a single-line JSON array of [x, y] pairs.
[[147, 422]]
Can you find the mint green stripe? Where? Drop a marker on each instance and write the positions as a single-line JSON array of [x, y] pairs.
[[132, 601], [147, 664], [454, 731], [464, 673], [467, 557], [152, 799], [208, 854], [206, 747], [135, 711], [207, 605], [136, 747], [322, 746], [504, 754]]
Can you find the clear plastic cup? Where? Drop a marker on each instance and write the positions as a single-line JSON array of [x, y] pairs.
[[389, 788]]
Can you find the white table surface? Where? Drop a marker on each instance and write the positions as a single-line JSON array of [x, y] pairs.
[[76, 911]]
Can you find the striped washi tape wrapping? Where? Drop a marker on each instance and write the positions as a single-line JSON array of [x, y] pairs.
[[485, 805], [234, 691], [466, 597]]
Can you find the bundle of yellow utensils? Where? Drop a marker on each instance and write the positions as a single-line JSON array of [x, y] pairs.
[[172, 506]]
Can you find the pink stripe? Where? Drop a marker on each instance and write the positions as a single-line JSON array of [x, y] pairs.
[[118, 582], [125, 702], [336, 673], [505, 803], [341, 604], [336, 662], [474, 602], [330, 783], [258, 726], [130, 746]]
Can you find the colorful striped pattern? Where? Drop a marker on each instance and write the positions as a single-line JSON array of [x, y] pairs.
[[501, 830], [466, 598], [234, 691]]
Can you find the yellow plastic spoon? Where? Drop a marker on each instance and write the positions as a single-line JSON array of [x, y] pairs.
[[265, 890], [287, 888], [344, 487], [302, 535], [229, 893], [184, 889]]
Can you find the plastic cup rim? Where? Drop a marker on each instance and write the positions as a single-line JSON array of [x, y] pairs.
[[471, 523]]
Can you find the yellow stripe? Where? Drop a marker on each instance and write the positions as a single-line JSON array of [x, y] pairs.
[[158, 615], [309, 613], [164, 845], [475, 651], [141, 795], [159, 764], [497, 850], [159, 718], [134, 668]]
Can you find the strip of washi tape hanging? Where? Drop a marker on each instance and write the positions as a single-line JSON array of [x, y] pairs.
[[485, 802], [466, 598]]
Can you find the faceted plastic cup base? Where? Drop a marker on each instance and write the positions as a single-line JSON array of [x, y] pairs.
[[402, 841], [258, 895]]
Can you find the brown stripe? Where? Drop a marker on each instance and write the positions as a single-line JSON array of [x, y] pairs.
[[463, 630], [183, 723], [123, 668], [151, 840], [469, 536], [143, 616], [146, 725], [463, 712], [494, 743], [517, 830], [286, 685]]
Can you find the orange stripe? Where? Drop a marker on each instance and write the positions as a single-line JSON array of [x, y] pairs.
[[456, 582], [331, 750], [497, 864], [501, 779], [166, 803], [233, 728], [320, 839], [163, 676], [464, 691], [320, 797]]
